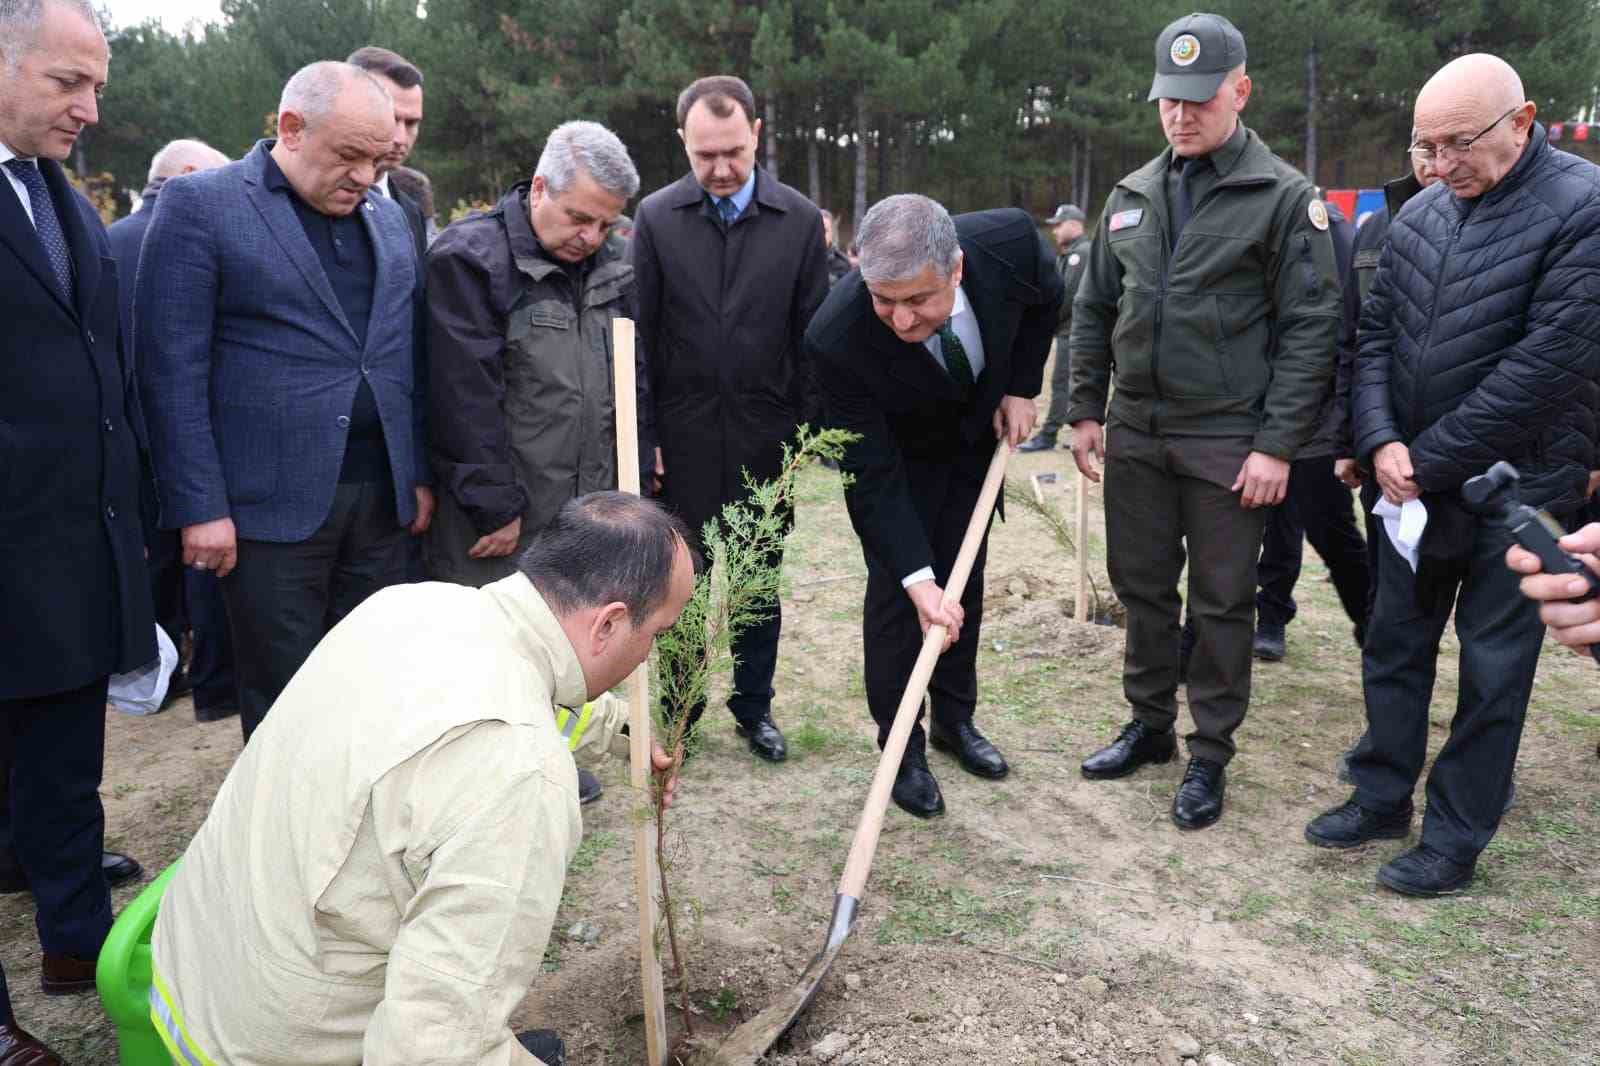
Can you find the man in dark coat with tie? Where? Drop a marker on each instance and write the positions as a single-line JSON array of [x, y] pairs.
[[185, 598], [931, 352], [729, 267], [277, 364], [72, 575]]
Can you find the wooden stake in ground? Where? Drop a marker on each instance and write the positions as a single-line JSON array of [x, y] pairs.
[[752, 1039], [645, 874], [1082, 613]]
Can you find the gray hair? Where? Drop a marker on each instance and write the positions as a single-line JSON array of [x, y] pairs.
[[596, 150], [197, 155], [904, 233], [313, 89], [19, 25]]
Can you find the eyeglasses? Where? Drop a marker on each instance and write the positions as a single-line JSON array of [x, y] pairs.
[[1458, 149]]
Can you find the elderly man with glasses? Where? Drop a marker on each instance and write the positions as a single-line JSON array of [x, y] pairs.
[[1480, 341]]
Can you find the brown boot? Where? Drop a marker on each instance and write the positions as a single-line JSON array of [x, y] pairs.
[[66, 975]]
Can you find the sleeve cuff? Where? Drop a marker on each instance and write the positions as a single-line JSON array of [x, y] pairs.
[[925, 574]]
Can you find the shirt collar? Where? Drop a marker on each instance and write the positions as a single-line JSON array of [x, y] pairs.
[[742, 198], [382, 185], [272, 174], [960, 307], [7, 155], [1222, 157]]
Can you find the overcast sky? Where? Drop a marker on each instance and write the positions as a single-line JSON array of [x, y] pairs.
[[174, 14]]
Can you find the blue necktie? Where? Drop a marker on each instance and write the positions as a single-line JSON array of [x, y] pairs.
[[728, 210], [45, 222]]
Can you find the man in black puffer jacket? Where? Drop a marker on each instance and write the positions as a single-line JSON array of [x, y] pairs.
[[1480, 341]]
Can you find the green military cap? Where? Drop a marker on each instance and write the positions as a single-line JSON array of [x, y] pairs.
[[1066, 213], [1193, 56]]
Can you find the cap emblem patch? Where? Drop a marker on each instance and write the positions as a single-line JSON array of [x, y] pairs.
[[1185, 49]]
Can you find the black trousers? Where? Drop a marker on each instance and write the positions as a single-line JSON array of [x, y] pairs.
[[283, 598], [52, 750], [6, 1017], [1060, 388], [1501, 636], [211, 664], [1317, 508], [890, 632], [1163, 496], [755, 661]]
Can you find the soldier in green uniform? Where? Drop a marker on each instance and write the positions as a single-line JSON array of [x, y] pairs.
[[1072, 255], [1211, 290]]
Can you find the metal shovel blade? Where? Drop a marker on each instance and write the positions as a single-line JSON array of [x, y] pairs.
[[754, 1038]]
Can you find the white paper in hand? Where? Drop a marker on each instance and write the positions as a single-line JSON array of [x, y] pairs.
[[142, 691], [1404, 526]]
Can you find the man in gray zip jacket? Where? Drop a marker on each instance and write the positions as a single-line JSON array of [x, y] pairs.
[[521, 299]]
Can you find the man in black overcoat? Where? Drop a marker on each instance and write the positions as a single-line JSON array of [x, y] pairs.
[[931, 352], [729, 268], [72, 574]]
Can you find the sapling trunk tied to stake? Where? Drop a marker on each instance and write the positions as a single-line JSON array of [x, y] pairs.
[[737, 588], [1020, 496]]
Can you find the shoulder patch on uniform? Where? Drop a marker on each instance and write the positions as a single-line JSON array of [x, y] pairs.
[[1318, 214], [1074, 259], [1125, 219]]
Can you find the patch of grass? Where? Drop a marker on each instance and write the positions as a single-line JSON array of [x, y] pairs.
[[593, 846], [923, 912], [1254, 905], [724, 1003]]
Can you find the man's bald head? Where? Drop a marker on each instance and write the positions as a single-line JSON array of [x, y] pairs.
[[185, 157], [1472, 123]]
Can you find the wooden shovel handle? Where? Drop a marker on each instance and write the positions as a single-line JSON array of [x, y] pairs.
[[865, 844]]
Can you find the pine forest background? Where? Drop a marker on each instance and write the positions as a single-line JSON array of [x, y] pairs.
[[978, 103]]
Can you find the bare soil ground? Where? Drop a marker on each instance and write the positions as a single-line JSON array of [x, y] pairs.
[[1045, 918]]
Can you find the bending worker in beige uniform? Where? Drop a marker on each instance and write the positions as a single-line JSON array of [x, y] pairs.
[[377, 879]]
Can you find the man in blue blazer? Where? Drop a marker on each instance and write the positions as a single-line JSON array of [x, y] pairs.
[[185, 598], [74, 599], [277, 354]]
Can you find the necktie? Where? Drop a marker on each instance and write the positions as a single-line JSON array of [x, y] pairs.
[[955, 356], [728, 210], [1185, 205], [45, 221]]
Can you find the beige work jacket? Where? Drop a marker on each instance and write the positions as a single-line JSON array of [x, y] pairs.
[[377, 879]]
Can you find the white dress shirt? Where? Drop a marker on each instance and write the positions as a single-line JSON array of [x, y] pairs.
[[382, 185], [6, 155], [965, 323]]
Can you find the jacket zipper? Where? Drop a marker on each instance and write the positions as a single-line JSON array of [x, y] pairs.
[[1161, 298], [1418, 408]]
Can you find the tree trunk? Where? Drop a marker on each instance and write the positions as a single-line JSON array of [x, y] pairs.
[[813, 163], [770, 125], [884, 185], [902, 166], [861, 158], [1311, 112]]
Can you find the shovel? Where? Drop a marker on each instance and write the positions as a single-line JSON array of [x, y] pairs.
[[751, 1040]]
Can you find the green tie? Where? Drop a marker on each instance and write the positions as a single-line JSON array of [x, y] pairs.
[[955, 356]]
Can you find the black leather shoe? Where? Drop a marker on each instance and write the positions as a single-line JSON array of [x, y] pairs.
[[1269, 645], [1039, 442], [1350, 825], [1135, 746], [589, 787], [765, 739], [118, 868], [18, 1047], [545, 1045], [214, 713], [1199, 799], [971, 748], [1424, 872], [178, 686], [916, 792]]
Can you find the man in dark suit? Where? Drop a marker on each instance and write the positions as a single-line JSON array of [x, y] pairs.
[[403, 81], [729, 268], [276, 356], [185, 598], [931, 352], [72, 575]]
